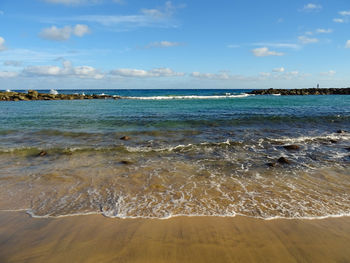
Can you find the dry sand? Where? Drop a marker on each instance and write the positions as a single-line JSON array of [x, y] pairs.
[[184, 239]]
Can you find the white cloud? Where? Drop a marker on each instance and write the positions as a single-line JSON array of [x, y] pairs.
[[338, 20], [2, 44], [262, 76], [264, 52], [307, 40], [278, 45], [12, 63], [81, 30], [87, 72], [347, 44], [291, 75], [44, 70], [62, 34], [2, 12], [221, 76], [140, 73], [281, 69], [265, 74], [67, 69], [167, 10], [324, 31], [163, 44], [345, 13], [8, 74], [56, 34], [311, 7], [329, 73], [157, 17]]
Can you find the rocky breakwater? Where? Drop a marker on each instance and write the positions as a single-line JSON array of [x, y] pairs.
[[34, 95], [314, 91]]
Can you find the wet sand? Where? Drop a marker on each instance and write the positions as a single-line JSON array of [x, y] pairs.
[[95, 238]]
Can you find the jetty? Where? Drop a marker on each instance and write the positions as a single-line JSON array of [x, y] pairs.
[[313, 91], [35, 95]]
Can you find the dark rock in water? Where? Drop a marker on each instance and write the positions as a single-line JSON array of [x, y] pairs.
[[302, 92], [347, 148], [125, 138], [271, 164], [333, 141], [283, 160], [42, 153], [292, 147], [341, 131], [126, 162], [34, 95]]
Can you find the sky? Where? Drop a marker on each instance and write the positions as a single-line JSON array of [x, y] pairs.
[[157, 44]]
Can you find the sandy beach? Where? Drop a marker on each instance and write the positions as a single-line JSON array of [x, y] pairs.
[[95, 238]]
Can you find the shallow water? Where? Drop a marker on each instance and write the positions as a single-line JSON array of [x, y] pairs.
[[186, 156]]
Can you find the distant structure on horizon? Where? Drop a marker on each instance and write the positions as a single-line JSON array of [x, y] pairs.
[[318, 85]]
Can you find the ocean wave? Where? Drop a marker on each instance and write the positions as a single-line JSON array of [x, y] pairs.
[[168, 147], [170, 216], [197, 97], [305, 139]]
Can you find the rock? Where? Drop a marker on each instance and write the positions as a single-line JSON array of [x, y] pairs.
[[126, 162], [125, 138], [283, 160], [271, 164], [333, 141], [33, 94], [292, 147], [42, 153], [347, 148], [340, 131], [301, 92]]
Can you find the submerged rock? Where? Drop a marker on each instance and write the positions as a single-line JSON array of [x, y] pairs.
[[340, 131], [283, 160], [271, 164], [126, 162], [292, 147], [125, 138], [42, 153]]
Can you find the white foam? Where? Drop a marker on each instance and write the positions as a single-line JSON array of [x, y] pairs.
[[169, 216], [53, 92], [300, 139]]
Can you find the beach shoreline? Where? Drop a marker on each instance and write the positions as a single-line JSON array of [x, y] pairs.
[[94, 238]]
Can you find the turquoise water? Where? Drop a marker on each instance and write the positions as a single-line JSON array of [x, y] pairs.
[[217, 142]]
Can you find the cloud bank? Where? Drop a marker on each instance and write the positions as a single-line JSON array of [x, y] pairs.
[[67, 70], [140, 73]]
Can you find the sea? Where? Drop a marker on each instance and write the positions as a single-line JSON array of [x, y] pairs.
[[188, 153]]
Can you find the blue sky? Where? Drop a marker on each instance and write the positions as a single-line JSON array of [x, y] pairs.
[[174, 44]]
